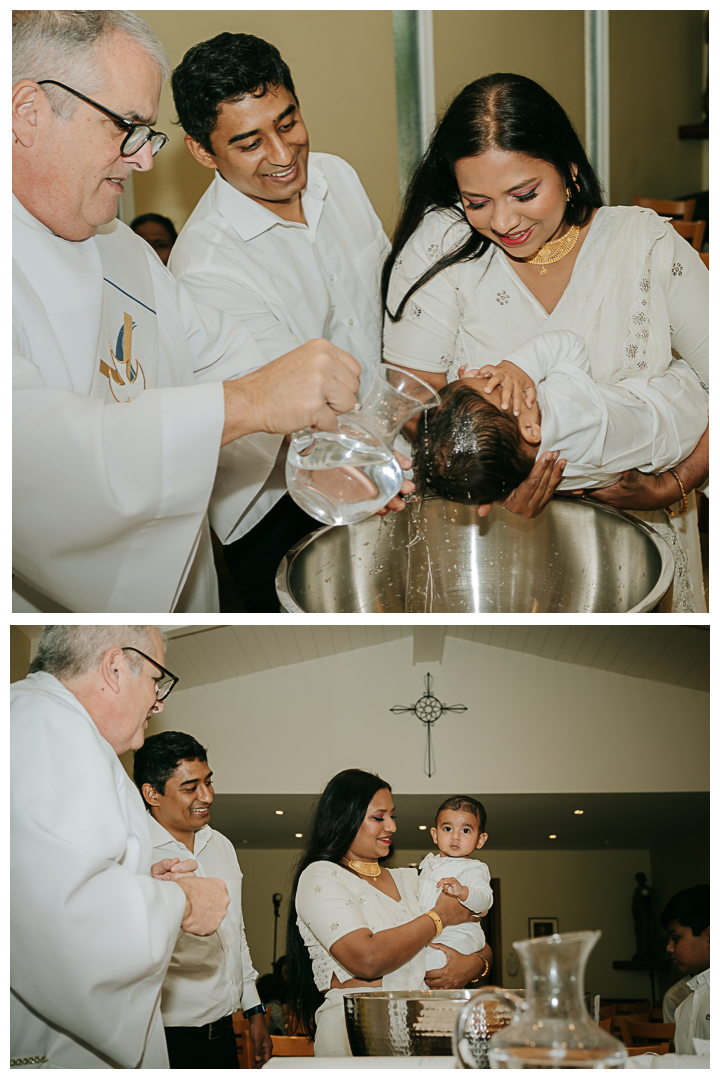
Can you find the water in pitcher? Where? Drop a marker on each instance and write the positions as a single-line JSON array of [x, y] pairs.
[[339, 478]]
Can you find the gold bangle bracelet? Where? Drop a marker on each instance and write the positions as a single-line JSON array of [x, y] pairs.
[[437, 920], [476, 980], [684, 509]]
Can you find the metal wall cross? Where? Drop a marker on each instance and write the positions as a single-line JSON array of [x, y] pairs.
[[428, 709]]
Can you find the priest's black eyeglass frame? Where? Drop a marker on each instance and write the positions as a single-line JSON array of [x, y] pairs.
[[138, 134], [162, 686]]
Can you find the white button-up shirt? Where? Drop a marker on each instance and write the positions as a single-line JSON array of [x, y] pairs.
[[208, 977], [287, 282], [692, 1016]]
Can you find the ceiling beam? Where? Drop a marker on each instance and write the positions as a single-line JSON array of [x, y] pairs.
[[428, 644]]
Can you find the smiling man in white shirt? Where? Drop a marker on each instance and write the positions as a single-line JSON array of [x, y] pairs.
[[686, 918], [284, 240], [208, 978]]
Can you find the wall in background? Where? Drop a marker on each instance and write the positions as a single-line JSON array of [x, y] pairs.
[[547, 46], [584, 890], [533, 725], [656, 84], [342, 63]]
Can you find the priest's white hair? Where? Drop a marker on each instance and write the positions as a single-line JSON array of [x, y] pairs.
[[71, 651], [65, 45]]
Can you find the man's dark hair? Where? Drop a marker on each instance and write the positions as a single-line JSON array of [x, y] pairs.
[[159, 756], [467, 450], [225, 68], [691, 907], [156, 219], [465, 802]]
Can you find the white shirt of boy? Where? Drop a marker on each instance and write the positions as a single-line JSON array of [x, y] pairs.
[[468, 937], [646, 423], [692, 1016], [288, 282]]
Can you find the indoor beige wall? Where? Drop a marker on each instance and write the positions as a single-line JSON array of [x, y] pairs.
[[585, 890], [547, 46], [656, 84], [343, 67]]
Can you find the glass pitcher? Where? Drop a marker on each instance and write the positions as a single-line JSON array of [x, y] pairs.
[[551, 1028], [343, 476]]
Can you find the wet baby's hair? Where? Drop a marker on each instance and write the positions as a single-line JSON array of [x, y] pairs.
[[467, 450], [469, 805]]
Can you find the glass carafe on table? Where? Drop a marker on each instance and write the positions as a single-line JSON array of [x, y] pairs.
[[551, 1028], [343, 476]]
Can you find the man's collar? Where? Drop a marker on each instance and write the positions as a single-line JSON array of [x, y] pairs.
[[250, 218], [701, 979], [161, 837]]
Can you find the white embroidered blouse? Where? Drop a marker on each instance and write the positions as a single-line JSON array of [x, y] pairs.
[[637, 290], [331, 902]]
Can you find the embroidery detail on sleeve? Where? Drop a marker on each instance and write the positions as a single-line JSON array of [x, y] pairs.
[[361, 900], [335, 873], [415, 312], [446, 360], [503, 298], [434, 250], [334, 925], [635, 359], [349, 903], [318, 888], [677, 269]]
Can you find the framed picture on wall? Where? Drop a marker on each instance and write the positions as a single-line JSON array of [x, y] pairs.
[[542, 927]]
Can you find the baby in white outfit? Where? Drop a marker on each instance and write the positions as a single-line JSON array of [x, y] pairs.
[[459, 830]]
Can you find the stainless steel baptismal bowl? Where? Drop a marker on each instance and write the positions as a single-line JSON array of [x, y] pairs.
[[404, 1023], [576, 556]]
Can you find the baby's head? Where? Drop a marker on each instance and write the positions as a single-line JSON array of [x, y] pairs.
[[460, 826], [468, 449]]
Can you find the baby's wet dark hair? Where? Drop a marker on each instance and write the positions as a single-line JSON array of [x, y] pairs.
[[467, 450], [466, 803]]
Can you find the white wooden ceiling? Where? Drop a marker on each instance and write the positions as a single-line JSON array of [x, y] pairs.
[[676, 655]]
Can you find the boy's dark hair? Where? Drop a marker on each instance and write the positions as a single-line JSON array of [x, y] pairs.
[[225, 68], [691, 907], [159, 756], [467, 450], [465, 802], [157, 219], [498, 112]]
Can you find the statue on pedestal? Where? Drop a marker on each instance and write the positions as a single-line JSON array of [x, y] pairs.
[[642, 910]]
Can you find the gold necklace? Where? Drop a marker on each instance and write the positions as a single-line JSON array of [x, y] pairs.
[[367, 869], [554, 250]]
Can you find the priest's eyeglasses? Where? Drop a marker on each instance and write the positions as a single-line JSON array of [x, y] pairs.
[[138, 134], [164, 685]]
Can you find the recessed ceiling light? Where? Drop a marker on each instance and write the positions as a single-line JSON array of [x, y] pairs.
[[422, 828], [298, 835], [279, 812], [552, 836], [579, 811]]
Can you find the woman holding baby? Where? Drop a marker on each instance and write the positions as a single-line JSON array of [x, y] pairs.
[[504, 236], [355, 924]]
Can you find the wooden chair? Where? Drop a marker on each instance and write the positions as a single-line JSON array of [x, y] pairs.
[[245, 1051], [606, 1025], [607, 1011], [292, 1046], [637, 1033], [705, 256], [656, 1016], [657, 1048], [694, 231], [682, 209]]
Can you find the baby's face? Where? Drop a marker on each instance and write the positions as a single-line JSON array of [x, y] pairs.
[[457, 833]]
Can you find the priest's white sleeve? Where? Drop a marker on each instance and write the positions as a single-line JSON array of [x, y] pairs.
[[92, 932]]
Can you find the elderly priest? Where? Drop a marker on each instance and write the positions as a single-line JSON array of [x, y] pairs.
[[125, 389], [92, 930]]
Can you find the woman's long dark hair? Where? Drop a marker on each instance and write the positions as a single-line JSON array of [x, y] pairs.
[[339, 813], [497, 112]]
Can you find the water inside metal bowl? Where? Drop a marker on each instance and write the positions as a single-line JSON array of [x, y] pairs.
[[404, 1023], [577, 556]]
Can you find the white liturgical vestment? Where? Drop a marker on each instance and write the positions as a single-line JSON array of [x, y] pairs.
[[118, 417], [287, 282], [91, 932]]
